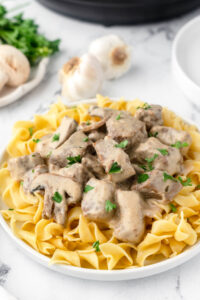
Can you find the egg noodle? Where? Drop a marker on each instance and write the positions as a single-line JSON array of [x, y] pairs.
[[166, 235]]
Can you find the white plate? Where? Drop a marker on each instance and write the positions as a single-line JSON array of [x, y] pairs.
[[102, 275], [186, 59], [9, 95]]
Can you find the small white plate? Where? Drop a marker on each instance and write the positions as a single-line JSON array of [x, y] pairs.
[[9, 95], [102, 275], [186, 59]]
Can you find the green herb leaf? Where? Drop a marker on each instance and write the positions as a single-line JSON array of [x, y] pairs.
[[142, 178], [21, 183], [88, 122], [185, 183], [110, 206], [153, 134], [88, 188], [57, 197], [30, 131], [33, 170], [23, 34], [73, 159], [86, 139], [173, 207], [163, 151], [167, 176], [33, 155], [151, 159], [36, 140], [179, 145], [96, 246], [145, 106], [11, 209], [49, 154], [197, 187], [56, 137], [123, 144], [115, 168], [118, 117]]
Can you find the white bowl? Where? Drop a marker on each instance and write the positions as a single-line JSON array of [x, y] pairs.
[[103, 275], [186, 59]]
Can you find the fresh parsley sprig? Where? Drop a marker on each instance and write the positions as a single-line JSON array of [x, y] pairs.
[[110, 206], [57, 197], [73, 159], [115, 168], [180, 145], [96, 246], [122, 145]]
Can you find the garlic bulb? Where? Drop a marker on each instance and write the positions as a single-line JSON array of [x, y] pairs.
[[81, 77], [113, 54]]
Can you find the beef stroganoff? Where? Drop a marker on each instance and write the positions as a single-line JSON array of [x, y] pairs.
[[109, 186]]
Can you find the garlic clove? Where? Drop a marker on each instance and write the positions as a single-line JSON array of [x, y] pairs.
[[113, 54], [3, 78], [81, 77]]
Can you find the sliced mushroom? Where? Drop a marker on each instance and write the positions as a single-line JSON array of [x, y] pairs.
[[68, 193], [32, 175], [128, 223]]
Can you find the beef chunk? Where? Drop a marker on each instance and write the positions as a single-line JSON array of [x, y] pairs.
[[129, 223], [150, 116], [171, 136], [73, 147], [170, 160], [18, 166], [94, 201], [109, 155], [92, 164], [157, 187]]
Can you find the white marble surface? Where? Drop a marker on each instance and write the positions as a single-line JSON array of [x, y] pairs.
[[149, 79]]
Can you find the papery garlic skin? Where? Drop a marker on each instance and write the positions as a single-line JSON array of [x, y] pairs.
[[113, 54], [81, 78]]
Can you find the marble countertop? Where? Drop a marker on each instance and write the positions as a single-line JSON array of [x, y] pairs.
[[149, 79]]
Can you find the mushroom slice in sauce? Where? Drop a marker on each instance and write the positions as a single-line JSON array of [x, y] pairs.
[[126, 128], [67, 191], [32, 175], [73, 147], [151, 115], [128, 223], [164, 157], [18, 166], [170, 136], [110, 156], [157, 187], [96, 135], [93, 126], [94, 201]]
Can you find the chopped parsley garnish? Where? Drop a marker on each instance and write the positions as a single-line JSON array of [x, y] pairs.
[[173, 207], [73, 160], [11, 209], [188, 182], [88, 122], [118, 117], [142, 178], [88, 188], [145, 106], [163, 151], [86, 139], [57, 197], [49, 154], [179, 145], [33, 155], [110, 206], [36, 140], [30, 131], [155, 134], [115, 168], [197, 187], [123, 144], [151, 159], [33, 170], [167, 176], [56, 137], [21, 183], [96, 246]]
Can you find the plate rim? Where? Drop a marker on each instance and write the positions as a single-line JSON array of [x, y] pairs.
[[102, 275]]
